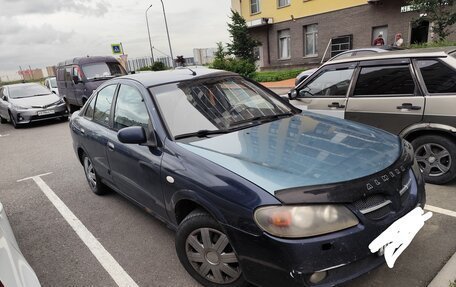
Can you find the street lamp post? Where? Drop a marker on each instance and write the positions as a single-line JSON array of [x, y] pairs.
[[148, 32], [167, 33]]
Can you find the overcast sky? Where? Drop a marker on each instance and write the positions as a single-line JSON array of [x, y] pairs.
[[42, 33]]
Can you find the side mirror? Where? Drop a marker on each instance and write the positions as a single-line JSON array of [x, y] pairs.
[[76, 80], [285, 98], [132, 135], [136, 135], [292, 94], [4, 98]]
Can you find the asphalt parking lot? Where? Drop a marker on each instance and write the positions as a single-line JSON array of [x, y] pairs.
[[132, 240]]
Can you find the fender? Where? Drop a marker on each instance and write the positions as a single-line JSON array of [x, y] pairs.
[[427, 127], [191, 195]]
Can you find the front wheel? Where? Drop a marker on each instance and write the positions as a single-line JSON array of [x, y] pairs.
[[13, 121], [436, 156], [3, 120], [206, 253]]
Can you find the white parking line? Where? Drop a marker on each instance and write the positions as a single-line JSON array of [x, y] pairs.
[[5, 135], [440, 210], [108, 262]]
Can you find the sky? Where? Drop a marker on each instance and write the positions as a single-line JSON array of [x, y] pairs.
[[40, 33]]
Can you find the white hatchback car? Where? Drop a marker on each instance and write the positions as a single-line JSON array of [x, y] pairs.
[[14, 269]]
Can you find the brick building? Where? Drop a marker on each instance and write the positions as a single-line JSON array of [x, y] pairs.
[[302, 32]]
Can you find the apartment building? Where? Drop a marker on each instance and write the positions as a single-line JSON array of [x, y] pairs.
[[303, 32]]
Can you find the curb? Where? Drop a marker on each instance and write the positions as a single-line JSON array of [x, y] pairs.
[[446, 275]]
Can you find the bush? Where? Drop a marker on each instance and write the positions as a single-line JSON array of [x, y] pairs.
[[157, 66], [273, 76], [243, 67]]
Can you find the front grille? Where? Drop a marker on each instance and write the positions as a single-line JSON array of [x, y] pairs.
[[379, 205]]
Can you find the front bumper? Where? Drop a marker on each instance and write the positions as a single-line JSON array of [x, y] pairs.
[[344, 255], [25, 116]]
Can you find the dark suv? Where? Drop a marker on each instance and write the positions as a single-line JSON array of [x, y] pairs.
[[411, 93], [78, 77]]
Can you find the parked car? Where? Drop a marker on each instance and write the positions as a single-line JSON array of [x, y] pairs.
[[257, 191], [51, 84], [14, 268], [78, 77], [31, 102], [411, 93], [347, 54]]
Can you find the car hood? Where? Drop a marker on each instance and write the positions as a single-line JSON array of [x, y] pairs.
[[303, 150], [36, 102]]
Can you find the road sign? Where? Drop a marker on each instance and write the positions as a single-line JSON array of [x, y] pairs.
[[116, 48]]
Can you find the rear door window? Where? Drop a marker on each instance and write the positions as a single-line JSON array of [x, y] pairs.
[[102, 109], [90, 107], [438, 77], [385, 80]]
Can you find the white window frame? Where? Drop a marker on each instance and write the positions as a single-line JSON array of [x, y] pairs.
[[284, 37], [314, 36], [287, 3], [255, 3]]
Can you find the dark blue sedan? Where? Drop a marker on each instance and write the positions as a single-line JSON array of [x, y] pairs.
[[257, 191]]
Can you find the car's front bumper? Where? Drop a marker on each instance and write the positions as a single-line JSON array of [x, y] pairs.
[[341, 256], [25, 116]]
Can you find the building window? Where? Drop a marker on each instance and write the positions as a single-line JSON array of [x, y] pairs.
[[310, 40], [341, 44], [284, 44], [254, 6], [283, 3]]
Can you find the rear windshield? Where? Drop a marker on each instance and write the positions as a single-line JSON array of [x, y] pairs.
[[102, 70], [26, 91]]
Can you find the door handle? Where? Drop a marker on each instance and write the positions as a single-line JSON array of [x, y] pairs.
[[110, 146], [336, 105], [408, 106]]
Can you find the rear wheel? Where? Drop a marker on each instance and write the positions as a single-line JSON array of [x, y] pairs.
[[3, 120], [206, 253], [436, 156], [93, 179]]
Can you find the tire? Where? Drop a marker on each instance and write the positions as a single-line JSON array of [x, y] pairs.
[[13, 122], [436, 156], [92, 177], [3, 120], [209, 265], [64, 118]]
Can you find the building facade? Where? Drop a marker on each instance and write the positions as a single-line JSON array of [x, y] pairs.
[[307, 32]]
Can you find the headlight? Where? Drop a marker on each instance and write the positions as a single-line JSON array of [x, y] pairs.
[[304, 221]]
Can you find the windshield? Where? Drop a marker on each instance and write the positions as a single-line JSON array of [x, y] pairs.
[[216, 104], [27, 90], [53, 82], [103, 70]]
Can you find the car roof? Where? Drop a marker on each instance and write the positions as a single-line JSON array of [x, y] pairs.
[[87, 60], [149, 79], [22, 85], [409, 53]]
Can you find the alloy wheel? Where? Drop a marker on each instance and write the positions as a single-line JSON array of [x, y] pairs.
[[433, 159], [90, 173], [212, 256]]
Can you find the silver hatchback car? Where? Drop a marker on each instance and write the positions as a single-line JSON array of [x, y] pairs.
[[30, 102], [411, 93]]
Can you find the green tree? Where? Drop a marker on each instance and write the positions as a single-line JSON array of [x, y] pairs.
[[442, 13], [242, 44]]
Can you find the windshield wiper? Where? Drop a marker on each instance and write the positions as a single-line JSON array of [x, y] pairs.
[[262, 119], [101, 78], [202, 133]]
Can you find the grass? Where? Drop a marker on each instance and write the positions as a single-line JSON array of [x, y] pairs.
[[273, 76], [453, 284]]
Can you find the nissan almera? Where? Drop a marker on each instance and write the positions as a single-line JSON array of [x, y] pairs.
[[257, 191]]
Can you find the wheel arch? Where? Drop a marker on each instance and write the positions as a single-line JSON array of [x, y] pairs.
[[415, 131], [184, 202]]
